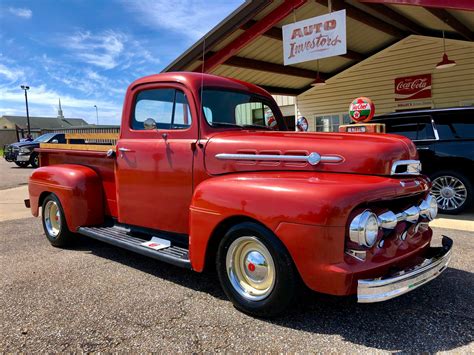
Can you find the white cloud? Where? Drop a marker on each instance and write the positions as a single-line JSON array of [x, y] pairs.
[[21, 12], [11, 73], [107, 50], [192, 18], [102, 50]]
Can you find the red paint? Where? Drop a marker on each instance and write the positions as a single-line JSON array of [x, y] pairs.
[[252, 33], [251, 267], [413, 87], [176, 184]]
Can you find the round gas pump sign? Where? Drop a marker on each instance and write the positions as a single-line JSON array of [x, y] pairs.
[[362, 109], [302, 124]]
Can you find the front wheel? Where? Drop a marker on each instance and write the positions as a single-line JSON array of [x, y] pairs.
[[22, 164], [453, 191], [34, 160], [54, 222], [255, 270]]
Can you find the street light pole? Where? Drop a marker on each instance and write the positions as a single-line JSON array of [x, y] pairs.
[[97, 114], [26, 88]]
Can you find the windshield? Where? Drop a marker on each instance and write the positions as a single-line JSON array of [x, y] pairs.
[[44, 138], [224, 108]]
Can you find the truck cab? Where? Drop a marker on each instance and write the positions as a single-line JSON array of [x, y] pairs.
[[205, 173]]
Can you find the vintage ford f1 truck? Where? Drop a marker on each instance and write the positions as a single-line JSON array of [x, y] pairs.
[[204, 173]]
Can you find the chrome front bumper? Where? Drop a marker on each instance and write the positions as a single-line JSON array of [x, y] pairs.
[[394, 285]]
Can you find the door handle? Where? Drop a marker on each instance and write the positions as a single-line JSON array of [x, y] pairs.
[[122, 149], [423, 148]]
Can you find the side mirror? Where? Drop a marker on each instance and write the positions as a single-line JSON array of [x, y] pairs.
[[149, 123], [54, 141]]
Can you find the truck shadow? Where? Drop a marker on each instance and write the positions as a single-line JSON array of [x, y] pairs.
[[437, 317]]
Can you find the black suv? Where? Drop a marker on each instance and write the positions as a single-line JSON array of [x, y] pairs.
[[22, 153], [445, 142]]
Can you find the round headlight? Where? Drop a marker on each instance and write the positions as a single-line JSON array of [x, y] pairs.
[[429, 208], [364, 229]]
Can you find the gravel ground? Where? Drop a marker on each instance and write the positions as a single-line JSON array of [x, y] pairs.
[[12, 175], [97, 297]]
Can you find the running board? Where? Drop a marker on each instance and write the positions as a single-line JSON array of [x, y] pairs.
[[121, 237]]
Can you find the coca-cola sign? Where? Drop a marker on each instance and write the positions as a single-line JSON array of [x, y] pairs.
[[413, 87]]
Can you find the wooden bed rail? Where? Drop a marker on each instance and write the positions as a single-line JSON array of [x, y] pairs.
[[100, 142]]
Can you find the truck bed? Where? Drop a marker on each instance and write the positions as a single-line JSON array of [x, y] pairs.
[[90, 152]]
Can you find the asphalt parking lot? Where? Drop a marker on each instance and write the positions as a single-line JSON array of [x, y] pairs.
[[95, 297]]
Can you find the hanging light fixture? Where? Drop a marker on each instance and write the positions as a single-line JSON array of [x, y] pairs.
[[319, 81], [446, 62]]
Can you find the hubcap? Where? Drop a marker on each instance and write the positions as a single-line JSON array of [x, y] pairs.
[[250, 268], [450, 192], [52, 218]]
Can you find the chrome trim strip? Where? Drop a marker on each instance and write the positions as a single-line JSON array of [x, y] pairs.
[[413, 167], [313, 158], [382, 289]]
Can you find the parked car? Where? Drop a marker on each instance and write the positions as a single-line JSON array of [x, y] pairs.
[[22, 153], [205, 173], [444, 139]]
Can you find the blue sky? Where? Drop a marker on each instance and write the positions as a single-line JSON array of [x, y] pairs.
[[87, 52]]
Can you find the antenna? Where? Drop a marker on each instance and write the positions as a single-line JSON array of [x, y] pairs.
[[202, 75]]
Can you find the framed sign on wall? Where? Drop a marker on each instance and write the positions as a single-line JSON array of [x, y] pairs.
[[315, 38]]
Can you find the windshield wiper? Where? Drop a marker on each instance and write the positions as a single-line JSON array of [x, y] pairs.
[[255, 126], [226, 124]]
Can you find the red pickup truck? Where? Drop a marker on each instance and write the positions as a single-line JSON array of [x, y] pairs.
[[205, 173]]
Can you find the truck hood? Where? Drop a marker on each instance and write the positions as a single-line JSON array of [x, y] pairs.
[[24, 144], [369, 154]]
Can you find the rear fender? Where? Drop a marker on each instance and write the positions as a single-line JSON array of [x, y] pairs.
[[79, 189]]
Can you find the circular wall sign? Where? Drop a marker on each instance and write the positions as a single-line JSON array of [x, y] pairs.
[[302, 124], [362, 109]]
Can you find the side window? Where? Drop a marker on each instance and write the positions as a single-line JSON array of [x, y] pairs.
[[455, 125], [182, 115], [425, 128], [415, 128], [168, 108], [407, 129]]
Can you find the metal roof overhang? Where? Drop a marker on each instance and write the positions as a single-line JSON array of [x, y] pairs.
[[247, 45]]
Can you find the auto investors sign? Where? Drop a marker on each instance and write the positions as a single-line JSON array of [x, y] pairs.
[[315, 38]]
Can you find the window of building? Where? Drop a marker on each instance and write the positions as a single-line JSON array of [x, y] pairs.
[[331, 122]]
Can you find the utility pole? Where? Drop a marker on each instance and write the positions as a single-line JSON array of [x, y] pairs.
[[26, 88], [97, 114]]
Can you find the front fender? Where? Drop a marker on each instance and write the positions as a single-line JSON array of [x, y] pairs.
[[320, 200], [79, 189]]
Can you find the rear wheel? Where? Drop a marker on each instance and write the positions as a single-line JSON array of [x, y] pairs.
[[54, 222], [453, 191], [22, 164], [255, 270]]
